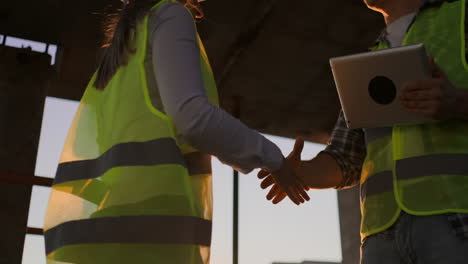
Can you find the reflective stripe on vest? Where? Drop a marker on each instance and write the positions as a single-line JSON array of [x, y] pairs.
[[435, 164], [377, 183], [148, 229], [411, 168], [155, 152]]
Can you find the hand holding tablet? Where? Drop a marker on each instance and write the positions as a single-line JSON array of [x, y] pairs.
[[368, 85]]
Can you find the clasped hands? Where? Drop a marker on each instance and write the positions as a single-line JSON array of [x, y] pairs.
[[287, 181]]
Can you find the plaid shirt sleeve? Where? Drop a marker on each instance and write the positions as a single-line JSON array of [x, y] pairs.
[[347, 147]]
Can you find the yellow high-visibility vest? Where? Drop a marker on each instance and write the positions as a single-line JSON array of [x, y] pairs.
[[421, 169], [126, 189]]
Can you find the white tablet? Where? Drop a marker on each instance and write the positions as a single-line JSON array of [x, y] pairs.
[[368, 85]]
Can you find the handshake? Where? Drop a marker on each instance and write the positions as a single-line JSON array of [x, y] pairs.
[[288, 180], [297, 176]]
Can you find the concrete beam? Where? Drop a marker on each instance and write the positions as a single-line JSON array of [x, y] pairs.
[[350, 222], [23, 84]]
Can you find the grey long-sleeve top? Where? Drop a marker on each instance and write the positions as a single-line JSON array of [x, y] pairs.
[[176, 64]]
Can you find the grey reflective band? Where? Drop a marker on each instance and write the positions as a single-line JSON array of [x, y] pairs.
[[198, 163], [435, 164], [377, 183], [151, 229], [154, 152], [373, 134]]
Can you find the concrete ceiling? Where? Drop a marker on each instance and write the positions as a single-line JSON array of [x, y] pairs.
[[270, 57]]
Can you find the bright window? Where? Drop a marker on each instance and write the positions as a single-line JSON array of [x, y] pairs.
[[285, 232], [58, 115], [37, 46]]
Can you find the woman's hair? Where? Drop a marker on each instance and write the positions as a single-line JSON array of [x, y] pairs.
[[119, 32]]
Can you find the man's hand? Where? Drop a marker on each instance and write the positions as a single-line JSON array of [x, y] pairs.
[[435, 97], [286, 181]]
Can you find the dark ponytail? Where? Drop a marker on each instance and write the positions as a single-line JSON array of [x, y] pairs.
[[119, 34]]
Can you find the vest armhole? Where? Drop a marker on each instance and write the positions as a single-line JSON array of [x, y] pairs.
[[464, 34], [146, 94]]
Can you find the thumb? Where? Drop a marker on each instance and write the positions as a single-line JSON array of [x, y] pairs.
[[431, 61], [297, 150], [436, 72]]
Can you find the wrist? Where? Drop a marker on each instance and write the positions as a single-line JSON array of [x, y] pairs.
[[279, 166], [272, 159], [321, 172], [275, 165]]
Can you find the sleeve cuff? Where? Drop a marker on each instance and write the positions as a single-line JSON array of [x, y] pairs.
[[341, 164], [273, 159]]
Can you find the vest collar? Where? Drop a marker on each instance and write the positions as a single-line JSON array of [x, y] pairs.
[[382, 38]]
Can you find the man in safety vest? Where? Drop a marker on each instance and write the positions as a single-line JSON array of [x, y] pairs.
[[414, 178]]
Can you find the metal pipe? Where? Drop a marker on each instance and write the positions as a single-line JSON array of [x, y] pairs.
[[235, 230], [34, 231], [14, 178]]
